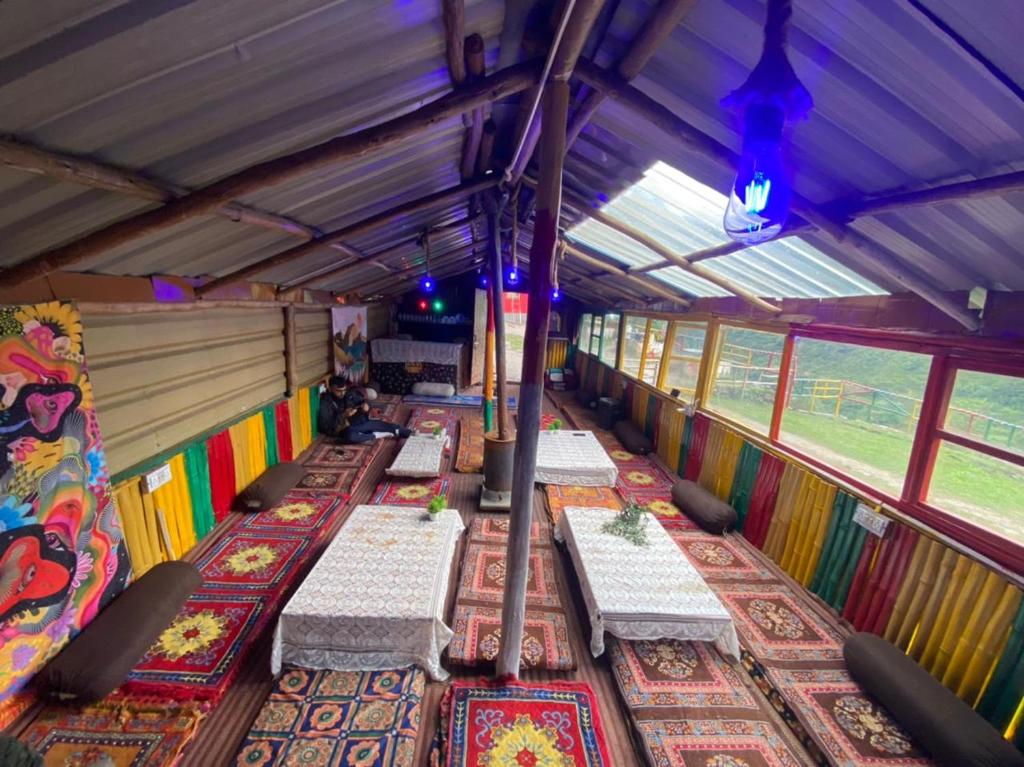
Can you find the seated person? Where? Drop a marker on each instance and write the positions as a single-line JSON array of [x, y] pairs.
[[344, 414]]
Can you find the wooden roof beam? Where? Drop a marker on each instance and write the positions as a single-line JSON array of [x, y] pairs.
[[644, 283], [869, 255], [266, 174], [444, 197]]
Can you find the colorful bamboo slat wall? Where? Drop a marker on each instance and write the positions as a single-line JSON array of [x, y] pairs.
[[205, 478], [557, 353], [961, 621]]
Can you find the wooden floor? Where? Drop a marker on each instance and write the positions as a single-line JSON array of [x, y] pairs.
[[223, 730]]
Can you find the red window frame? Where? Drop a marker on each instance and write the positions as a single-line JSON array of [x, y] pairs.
[[948, 357]]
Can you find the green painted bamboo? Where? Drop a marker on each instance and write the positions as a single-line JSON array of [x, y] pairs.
[[1006, 687], [743, 483], [197, 469], [314, 408], [831, 549], [684, 446], [270, 426]]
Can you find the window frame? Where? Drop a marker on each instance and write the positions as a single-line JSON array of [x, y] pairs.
[[668, 357], [605, 325], [621, 355]]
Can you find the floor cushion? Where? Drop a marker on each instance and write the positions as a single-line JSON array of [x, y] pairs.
[[96, 661], [632, 438], [432, 389], [271, 486], [704, 508], [942, 724]]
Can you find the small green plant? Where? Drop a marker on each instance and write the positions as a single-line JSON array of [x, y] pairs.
[[437, 504], [630, 523], [437, 431], [555, 425]]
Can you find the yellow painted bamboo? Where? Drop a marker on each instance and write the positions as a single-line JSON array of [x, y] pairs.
[[978, 658], [666, 355], [907, 588], [919, 592], [143, 552], [295, 421], [712, 455], [789, 488], [964, 630], [732, 443], [964, 582], [933, 604], [798, 524], [821, 515], [240, 453], [709, 363], [174, 500]]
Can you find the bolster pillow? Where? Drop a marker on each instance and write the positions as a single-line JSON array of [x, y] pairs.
[[702, 507], [632, 438], [271, 486], [96, 661], [431, 389], [946, 727]]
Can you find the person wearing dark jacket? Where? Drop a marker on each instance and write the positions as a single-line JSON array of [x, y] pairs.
[[344, 414]]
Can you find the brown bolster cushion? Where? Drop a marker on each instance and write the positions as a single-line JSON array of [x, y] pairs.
[[632, 437], [942, 724], [703, 507], [14, 753], [271, 486], [96, 661]]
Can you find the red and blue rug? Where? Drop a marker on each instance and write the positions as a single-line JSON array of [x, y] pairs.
[[513, 723], [252, 561]]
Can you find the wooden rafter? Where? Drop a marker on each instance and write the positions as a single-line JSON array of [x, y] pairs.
[[643, 283], [445, 196], [869, 255], [266, 174]]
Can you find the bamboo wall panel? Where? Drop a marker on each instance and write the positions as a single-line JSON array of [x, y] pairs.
[[312, 344], [162, 378]]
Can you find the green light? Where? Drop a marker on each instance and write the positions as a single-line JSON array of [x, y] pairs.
[[438, 305]]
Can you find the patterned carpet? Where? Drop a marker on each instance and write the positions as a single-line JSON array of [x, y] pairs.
[[410, 492], [470, 456], [477, 617], [342, 718]]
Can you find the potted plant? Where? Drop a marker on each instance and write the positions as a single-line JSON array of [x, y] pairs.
[[436, 506], [555, 425], [630, 523]]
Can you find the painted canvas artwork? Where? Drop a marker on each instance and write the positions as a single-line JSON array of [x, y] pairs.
[[61, 553], [348, 324]]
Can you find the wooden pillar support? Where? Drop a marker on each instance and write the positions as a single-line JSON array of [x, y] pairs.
[[494, 206], [531, 390], [291, 364]]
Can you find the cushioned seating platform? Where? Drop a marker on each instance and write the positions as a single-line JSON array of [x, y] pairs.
[[271, 486], [99, 658], [632, 438], [703, 507], [950, 730]]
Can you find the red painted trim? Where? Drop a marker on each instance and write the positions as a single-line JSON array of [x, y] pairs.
[[934, 403], [914, 342], [982, 447], [782, 389]]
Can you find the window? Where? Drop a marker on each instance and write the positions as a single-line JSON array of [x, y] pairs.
[[654, 347], [978, 473], [744, 383], [610, 339], [855, 408], [684, 359], [583, 342], [635, 332], [595, 335]]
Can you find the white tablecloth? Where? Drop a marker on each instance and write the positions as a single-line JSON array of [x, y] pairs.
[[642, 592], [573, 458], [420, 456], [376, 598]]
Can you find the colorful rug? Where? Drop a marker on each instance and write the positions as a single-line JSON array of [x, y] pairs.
[[722, 558], [196, 657], [125, 735], [515, 724], [470, 456], [343, 718], [298, 513], [691, 707], [410, 492], [560, 496], [477, 617], [426, 419], [332, 455], [320, 479], [252, 561], [457, 400]]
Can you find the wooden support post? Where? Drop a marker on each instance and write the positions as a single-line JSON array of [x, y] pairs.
[[489, 363], [475, 129], [266, 174], [494, 206], [291, 364], [531, 390], [453, 13]]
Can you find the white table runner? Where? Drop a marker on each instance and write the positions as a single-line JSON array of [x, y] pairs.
[[642, 592], [420, 456], [573, 458], [376, 598]]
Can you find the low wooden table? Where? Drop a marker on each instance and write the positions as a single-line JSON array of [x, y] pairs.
[[376, 598], [420, 456], [642, 592], [573, 458]]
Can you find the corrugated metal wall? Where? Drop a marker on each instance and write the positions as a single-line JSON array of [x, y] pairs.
[[162, 378], [312, 344]]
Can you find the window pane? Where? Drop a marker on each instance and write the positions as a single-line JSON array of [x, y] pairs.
[[611, 339], [584, 339], [684, 363], [655, 348], [748, 372], [980, 489], [595, 335], [988, 408], [855, 408], [633, 344]]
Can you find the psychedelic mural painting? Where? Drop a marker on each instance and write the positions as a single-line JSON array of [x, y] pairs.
[[61, 552], [349, 342]]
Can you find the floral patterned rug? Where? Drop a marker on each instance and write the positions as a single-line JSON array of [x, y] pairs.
[[477, 618], [560, 496], [252, 561], [409, 492], [513, 723], [337, 718], [123, 735], [469, 459]]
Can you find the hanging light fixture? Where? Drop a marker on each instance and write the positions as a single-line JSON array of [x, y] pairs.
[[427, 283], [759, 199], [556, 294], [513, 272]]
